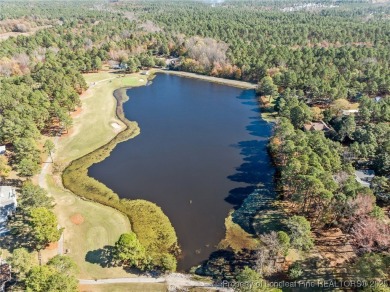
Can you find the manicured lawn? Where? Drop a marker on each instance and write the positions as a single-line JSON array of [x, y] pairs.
[[101, 225], [92, 127]]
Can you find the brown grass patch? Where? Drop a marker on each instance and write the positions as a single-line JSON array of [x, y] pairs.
[[334, 245], [77, 219], [52, 246], [236, 237], [76, 112]]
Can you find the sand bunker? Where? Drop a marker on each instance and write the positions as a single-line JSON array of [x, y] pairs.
[[115, 125]]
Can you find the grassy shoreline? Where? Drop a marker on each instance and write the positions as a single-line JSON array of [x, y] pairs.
[[152, 226], [101, 226], [75, 176]]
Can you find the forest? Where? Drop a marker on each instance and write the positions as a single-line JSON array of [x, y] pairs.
[[324, 63]]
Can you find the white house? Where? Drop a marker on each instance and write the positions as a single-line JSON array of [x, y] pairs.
[[349, 112], [8, 205], [2, 149]]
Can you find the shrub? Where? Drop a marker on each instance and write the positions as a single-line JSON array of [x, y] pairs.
[[295, 271], [152, 227]]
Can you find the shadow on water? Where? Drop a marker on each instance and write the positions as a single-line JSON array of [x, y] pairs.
[[257, 173], [197, 175]]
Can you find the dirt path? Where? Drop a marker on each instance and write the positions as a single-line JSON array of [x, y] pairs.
[[42, 184], [45, 168], [101, 81]]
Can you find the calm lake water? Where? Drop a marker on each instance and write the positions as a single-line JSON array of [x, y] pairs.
[[193, 158]]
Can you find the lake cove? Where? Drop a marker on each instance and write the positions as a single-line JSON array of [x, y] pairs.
[[201, 151]]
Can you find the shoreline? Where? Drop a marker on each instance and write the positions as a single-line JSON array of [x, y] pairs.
[[75, 176], [268, 116], [144, 216], [218, 80], [102, 226]]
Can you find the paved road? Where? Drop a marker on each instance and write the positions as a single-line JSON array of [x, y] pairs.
[[42, 175], [47, 163], [42, 184]]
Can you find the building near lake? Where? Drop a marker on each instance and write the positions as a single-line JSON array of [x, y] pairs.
[[350, 112], [8, 204], [316, 126], [364, 176]]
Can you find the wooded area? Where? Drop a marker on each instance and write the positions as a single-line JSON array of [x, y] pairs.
[[324, 69]]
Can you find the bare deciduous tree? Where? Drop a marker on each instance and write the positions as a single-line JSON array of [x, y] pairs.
[[269, 254], [149, 26], [361, 205], [207, 51], [23, 60], [369, 234]]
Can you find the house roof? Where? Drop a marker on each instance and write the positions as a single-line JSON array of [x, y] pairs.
[[316, 126], [7, 196], [351, 111], [8, 205], [2, 148], [364, 176]]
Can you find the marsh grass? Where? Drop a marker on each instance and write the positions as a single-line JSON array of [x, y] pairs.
[[152, 226]]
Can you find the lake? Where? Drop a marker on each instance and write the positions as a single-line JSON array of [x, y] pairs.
[[200, 153]]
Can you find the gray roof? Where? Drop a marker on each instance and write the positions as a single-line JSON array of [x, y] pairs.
[[7, 196], [8, 205], [351, 111], [316, 126], [364, 176]]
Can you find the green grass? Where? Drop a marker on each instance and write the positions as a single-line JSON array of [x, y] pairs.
[[269, 116], [152, 226], [133, 287], [92, 129], [102, 226]]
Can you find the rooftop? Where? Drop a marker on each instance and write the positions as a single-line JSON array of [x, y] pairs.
[[316, 126], [364, 176], [8, 205], [7, 196], [350, 111]]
